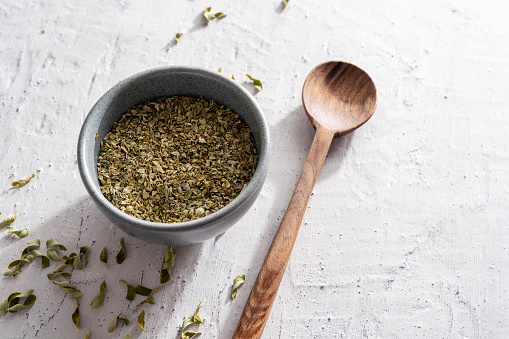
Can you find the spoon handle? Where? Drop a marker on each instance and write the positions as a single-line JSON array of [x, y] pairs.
[[257, 309]]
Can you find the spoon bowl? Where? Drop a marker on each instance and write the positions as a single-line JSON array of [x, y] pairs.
[[338, 97]]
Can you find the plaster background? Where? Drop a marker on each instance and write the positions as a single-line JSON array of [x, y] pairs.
[[406, 234]]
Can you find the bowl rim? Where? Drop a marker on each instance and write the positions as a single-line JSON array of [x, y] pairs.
[[87, 137]]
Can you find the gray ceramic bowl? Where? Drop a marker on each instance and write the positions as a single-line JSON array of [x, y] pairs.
[[169, 81]]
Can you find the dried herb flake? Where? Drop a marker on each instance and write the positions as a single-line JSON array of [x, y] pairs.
[[194, 319], [179, 34], [104, 257], [122, 254], [239, 280], [59, 271], [257, 83], [168, 263], [209, 16], [76, 314], [71, 291], [52, 242], [9, 219], [145, 291], [27, 256], [98, 301], [113, 325], [13, 302], [20, 234], [150, 300], [51, 252], [21, 183], [141, 320], [81, 259], [131, 291], [176, 159]]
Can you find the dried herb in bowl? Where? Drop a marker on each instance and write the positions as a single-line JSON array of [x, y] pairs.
[[176, 159]]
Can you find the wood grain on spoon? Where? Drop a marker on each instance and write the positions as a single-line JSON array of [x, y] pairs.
[[338, 97]]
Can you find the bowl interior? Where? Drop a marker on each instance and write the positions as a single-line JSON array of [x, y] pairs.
[[169, 81]]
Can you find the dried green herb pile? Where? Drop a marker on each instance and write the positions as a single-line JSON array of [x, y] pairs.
[[176, 159]]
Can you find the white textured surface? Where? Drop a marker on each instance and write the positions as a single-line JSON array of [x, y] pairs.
[[407, 232]]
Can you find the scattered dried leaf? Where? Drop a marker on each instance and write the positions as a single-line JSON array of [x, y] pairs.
[[21, 183], [76, 314], [104, 257], [20, 234], [168, 263], [122, 254], [257, 83], [98, 301], [113, 325], [13, 302], [71, 291], [141, 320]]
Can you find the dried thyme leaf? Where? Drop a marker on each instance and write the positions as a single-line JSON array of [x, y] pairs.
[[122, 253], [145, 291], [59, 271], [194, 319], [9, 219], [190, 334], [206, 13], [113, 325], [104, 257], [285, 3], [179, 34], [13, 272], [52, 253], [233, 78], [27, 256], [150, 300], [219, 69], [12, 302], [209, 16], [257, 83], [88, 335], [196, 316], [239, 280], [71, 291], [21, 183], [98, 301], [76, 314], [53, 242], [20, 234], [69, 259], [81, 259], [141, 320], [142, 290], [36, 243], [168, 263], [131, 291], [45, 262], [176, 167]]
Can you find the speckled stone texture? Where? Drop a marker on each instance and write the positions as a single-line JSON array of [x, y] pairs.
[[406, 234]]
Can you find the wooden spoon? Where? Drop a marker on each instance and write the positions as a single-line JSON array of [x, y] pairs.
[[338, 97]]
